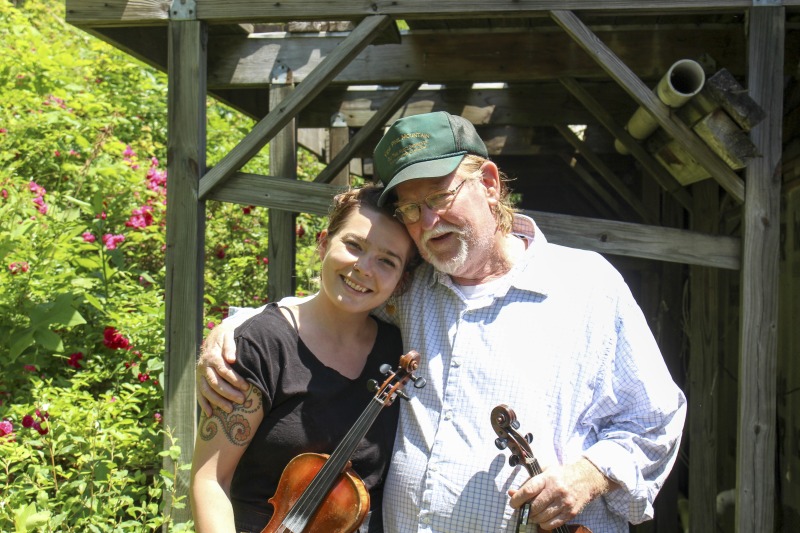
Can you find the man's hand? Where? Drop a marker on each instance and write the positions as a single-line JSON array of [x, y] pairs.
[[559, 493], [217, 383]]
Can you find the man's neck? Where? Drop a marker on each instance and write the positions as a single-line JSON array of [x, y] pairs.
[[507, 251]]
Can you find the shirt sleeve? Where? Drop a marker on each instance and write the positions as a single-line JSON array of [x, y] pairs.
[[638, 418]]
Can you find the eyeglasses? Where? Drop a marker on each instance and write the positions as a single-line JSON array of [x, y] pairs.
[[436, 201]]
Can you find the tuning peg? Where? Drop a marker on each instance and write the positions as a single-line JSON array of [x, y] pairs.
[[386, 369], [513, 460], [419, 382], [501, 443], [403, 395], [372, 385], [515, 424], [529, 438]]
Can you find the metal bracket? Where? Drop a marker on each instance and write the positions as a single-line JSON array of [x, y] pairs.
[[767, 2], [279, 74], [183, 10]]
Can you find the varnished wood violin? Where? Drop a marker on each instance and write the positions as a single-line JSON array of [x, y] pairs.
[[318, 493], [505, 425]]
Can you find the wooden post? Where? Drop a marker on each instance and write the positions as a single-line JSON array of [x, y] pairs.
[[704, 368], [338, 135], [670, 340], [186, 163], [755, 453], [281, 228]]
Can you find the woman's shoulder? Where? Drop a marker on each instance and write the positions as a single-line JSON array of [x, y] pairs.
[[270, 322]]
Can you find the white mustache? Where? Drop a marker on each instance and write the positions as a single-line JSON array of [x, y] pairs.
[[439, 230]]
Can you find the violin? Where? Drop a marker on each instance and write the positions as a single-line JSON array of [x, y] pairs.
[[505, 425], [320, 493]]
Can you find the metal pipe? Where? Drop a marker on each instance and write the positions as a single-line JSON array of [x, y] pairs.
[[683, 80]]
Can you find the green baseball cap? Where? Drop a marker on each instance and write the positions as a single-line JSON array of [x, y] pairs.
[[430, 145]]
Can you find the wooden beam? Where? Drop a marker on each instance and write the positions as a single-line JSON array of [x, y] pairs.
[[277, 193], [214, 11], [758, 356], [607, 174], [439, 57], [637, 240], [648, 162], [600, 235], [378, 120], [645, 97], [265, 129], [186, 160]]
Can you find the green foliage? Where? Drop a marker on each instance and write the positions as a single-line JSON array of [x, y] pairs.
[[82, 240]]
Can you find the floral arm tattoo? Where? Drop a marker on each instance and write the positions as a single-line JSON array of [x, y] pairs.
[[235, 426]]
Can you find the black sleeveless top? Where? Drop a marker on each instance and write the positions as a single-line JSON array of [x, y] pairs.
[[308, 407]]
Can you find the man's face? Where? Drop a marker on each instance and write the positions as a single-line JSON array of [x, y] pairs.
[[458, 236]]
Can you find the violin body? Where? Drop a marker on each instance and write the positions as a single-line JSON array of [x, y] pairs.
[[320, 493], [342, 511]]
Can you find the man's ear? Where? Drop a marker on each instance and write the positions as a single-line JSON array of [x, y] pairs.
[[490, 178], [322, 244]]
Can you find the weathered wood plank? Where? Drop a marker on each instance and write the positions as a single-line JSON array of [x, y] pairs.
[[186, 162], [276, 193], [378, 120], [645, 97], [755, 452], [265, 129], [604, 236], [704, 369], [282, 247], [637, 240], [542, 54], [110, 11], [733, 98]]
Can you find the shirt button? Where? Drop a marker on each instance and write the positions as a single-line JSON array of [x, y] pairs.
[[456, 361], [448, 415], [426, 519]]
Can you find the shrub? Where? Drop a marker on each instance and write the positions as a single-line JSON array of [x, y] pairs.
[[82, 213]]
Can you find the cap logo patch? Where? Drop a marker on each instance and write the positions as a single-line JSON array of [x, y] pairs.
[[392, 157]]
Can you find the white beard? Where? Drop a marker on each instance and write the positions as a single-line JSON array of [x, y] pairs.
[[454, 264]]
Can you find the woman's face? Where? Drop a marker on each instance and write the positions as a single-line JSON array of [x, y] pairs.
[[364, 261]]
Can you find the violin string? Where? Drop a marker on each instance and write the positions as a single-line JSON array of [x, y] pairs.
[[304, 507]]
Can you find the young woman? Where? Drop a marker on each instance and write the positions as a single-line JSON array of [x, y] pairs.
[[308, 365]]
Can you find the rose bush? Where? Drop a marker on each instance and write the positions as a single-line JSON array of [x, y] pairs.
[[82, 211]]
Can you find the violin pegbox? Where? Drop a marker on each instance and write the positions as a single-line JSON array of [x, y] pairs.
[[396, 380]]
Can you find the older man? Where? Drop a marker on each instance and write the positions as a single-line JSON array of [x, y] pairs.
[[501, 316]]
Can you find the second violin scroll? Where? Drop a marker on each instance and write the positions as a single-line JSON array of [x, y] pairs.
[[505, 425]]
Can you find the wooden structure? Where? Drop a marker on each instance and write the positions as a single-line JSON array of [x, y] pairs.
[[549, 84]]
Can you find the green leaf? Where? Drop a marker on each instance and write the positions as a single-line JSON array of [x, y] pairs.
[[49, 340], [20, 342]]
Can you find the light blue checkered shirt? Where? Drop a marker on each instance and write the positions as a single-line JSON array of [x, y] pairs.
[[562, 342]]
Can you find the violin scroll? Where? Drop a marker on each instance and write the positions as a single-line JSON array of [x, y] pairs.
[[505, 424], [396, 380]]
